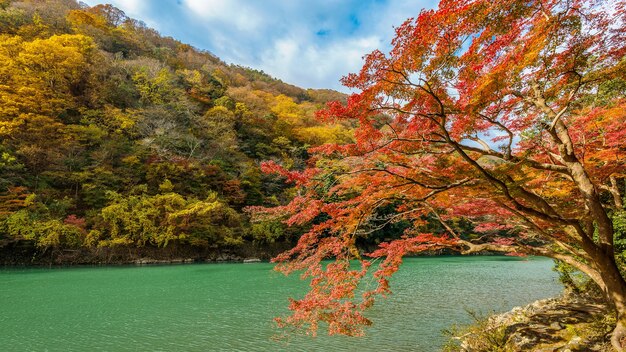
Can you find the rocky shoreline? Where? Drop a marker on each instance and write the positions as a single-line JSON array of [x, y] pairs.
[[220, 259], [569, 323]]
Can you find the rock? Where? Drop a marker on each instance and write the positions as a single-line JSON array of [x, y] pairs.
[[547, 326], [575, 343], [516, 310], [556, 326], [523, 342], [252, 260]]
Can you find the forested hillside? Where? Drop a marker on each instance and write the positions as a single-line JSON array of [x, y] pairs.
[[115, 137]]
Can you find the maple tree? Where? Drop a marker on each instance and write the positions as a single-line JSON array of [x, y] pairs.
[[508, 114]]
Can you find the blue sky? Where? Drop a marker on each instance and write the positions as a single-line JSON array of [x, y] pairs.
[[311, 44]]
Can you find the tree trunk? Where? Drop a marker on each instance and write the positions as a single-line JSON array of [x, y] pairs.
[[616, 292], [617, 197], [619, 335]]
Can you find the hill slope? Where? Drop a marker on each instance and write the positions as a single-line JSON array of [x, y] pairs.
[[114, 137]]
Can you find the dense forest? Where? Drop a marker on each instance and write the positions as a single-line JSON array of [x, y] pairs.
[[114, 138], [489, 127]]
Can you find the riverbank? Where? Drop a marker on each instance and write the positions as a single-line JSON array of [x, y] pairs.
[[570, 322], [24, 253]]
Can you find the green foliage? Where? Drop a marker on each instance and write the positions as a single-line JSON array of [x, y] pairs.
[[11, 18], [571, 278], [37, 222], [480, 336], [619, 224], [577, 282], [267, 231], [226, 102], [144, 139], [141, 220]]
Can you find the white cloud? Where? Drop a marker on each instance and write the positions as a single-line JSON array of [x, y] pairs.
[[132, 7], [237, 13], [315, 66], [311, 44]]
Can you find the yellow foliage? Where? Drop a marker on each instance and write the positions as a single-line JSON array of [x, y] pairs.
[[322, 134], [286, 109], [37, 29], [131, 160], [156, 89], [37, 76], [192, 77], [162, 218], [80, 18], [119, 119]]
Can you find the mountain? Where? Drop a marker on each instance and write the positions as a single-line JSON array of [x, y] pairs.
[[115, 139]]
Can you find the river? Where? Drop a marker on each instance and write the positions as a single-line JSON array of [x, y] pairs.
[[229, 307]]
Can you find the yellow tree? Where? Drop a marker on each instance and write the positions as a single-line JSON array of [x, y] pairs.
[[39, 80]]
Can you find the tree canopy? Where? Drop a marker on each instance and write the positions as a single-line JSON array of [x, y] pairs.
[[113, 136], [489, 126]]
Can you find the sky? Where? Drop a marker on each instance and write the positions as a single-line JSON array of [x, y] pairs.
[[308, 43]]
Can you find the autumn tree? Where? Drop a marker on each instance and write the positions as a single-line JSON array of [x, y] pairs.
[[98, 111], [509, 114], [168, 217]]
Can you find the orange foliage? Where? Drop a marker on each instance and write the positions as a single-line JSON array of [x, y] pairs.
[[483, 110]]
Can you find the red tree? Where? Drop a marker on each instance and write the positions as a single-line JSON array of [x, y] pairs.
[[507, 113]]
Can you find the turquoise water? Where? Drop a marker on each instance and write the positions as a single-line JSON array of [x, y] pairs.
[[229, 307]]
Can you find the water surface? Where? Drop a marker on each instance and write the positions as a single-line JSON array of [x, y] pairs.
[[229, 307]]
